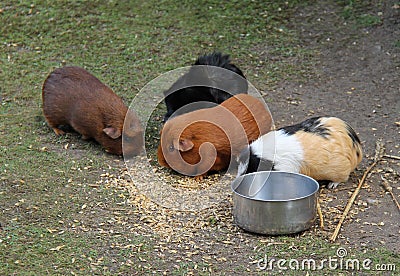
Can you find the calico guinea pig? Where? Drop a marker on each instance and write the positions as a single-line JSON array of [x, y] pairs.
[[74, 97], [204, 140], [201, 82], [324, 148]]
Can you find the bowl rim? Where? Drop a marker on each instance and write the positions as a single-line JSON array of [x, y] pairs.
[[275, 200]]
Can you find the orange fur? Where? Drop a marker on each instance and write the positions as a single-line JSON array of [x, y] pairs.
[[227, 128], [333, 158]]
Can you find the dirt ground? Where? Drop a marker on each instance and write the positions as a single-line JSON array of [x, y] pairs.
[[357, 78]]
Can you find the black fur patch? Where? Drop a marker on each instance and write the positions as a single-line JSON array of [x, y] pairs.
[[219, 60], [324, 182], [210, 78], [255, 163], [312, 125], [352, 134]]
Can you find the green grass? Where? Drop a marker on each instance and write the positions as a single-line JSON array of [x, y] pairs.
[[36, 250], [352, 11], [45, 181]]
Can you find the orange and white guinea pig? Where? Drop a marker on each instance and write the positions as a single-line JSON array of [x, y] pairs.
[[324, 148]]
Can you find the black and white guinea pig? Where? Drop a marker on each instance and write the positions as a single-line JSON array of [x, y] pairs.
[[200, 84], [324, 148]]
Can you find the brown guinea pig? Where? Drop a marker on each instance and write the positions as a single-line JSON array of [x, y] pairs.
[[74, 97], [204, 140]]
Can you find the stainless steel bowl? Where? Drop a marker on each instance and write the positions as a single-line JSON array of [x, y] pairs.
[[274, 202]]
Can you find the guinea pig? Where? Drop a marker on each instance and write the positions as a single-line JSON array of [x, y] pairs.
[[324, 148], [213, 83], [204, 140], [74, 97]]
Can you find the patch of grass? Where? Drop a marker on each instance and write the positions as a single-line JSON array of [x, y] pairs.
[[356, 11], [368, 20], [37, 249], [29, 248], [348, 9]]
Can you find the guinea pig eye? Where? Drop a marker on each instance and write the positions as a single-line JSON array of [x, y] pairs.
[[171, 148]]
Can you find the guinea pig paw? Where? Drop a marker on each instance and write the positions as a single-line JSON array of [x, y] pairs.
[[333, 185], [58, 131], [199, 178]]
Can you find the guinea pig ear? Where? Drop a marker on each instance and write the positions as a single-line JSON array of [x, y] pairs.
[[185, 145], [112, 132]]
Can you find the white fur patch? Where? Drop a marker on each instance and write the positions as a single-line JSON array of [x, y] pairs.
[[242, 168], [285, 151]]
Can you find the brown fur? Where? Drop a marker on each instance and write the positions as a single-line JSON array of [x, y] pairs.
[[72, 96], [227, 127], [333, 158]]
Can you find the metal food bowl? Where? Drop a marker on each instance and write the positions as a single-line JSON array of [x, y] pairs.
[[274, 202]]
